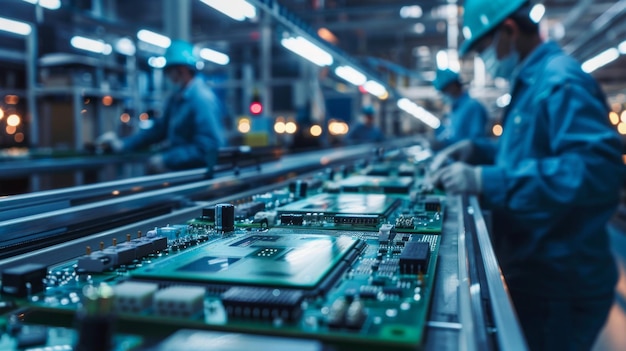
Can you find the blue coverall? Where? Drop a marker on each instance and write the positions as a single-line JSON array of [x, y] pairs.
[[191, 127], [467, 119], [553, 186]]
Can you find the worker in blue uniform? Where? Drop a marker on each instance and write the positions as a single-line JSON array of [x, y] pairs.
[[190, 128], [365, 131], [552, 180], [467, 118]]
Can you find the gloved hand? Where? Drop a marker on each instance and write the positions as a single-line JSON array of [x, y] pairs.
[[112, 140], [156, 164], [460, 151], [459, 178]]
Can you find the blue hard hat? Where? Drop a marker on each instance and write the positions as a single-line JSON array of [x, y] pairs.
[[368, 110], [444, 78], [481, 16], [180, 53]]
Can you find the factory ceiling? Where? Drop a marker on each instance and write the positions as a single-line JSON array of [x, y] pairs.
[[396, 38]]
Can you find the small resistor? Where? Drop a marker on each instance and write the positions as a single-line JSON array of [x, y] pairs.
[[337, 311], [88, 250]]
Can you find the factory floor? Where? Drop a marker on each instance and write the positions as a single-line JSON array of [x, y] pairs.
[[613, 335]]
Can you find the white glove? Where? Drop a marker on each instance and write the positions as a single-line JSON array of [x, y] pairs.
[[459, 178], [112, 140], [460, 151]]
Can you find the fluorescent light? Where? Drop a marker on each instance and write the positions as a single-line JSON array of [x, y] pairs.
[[600, 60], [48, 4], [15, 27], [351, 75], [214, 56], [503, 101], [236, 9], [418, 112], [375, 88], [442, 59], [157, 61], [537, 12], [413, 11], [125, 46], [308, 50], [153, 38], [92, 45], [622, 47]]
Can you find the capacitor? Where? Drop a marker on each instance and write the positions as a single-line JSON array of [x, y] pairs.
[[337, 311], [355, 315], [298, 188], [94, 320], [224, 217]]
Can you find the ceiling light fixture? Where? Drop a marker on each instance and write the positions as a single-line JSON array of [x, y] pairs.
[[47, 4], [92, 45], [419, 112], [153, 38], [236, 9], [351, 75], [14, 27], [600, 60], [214, 56], [537, 12], [308, 50], [375, 88]]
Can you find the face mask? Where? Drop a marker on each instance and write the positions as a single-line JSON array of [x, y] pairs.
[[503, 68]]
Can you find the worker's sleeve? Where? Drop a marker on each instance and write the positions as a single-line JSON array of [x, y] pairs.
[[206, 138], [581, 166], [146, 137]]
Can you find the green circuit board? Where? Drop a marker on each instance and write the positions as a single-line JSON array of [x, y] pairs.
[[351, 270]]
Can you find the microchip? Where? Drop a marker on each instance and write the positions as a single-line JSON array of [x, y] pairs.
[[262, 303], [414, 257]]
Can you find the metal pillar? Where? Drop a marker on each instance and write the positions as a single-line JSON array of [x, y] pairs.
[[177, 19], [266, 64]]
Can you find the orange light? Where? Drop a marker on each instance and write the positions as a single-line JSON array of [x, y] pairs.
[[614, 118], [621, 128], [315, 130], [1, 113], [107, 100], [13, 120], [279, 127], [11, 99], [10, 130], [125, 118], [19, 137], [144, 116], [327, 35], [290, 127], [497, 130], [87, 101], [623, 116], [244, 127]]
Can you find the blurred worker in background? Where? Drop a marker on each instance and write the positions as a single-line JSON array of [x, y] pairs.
[[552, 182], [190, 128], [467, 118], [365, 131]]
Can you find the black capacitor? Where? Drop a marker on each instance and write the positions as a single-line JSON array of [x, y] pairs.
[[225, 217], [298, 188]]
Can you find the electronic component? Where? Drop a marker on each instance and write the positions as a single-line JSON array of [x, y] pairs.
[[224, 217], [376, 184], [340, 209], [262, 303], [23, 280], [133, 297], [414, 257], [179, 301], [303, 261]]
